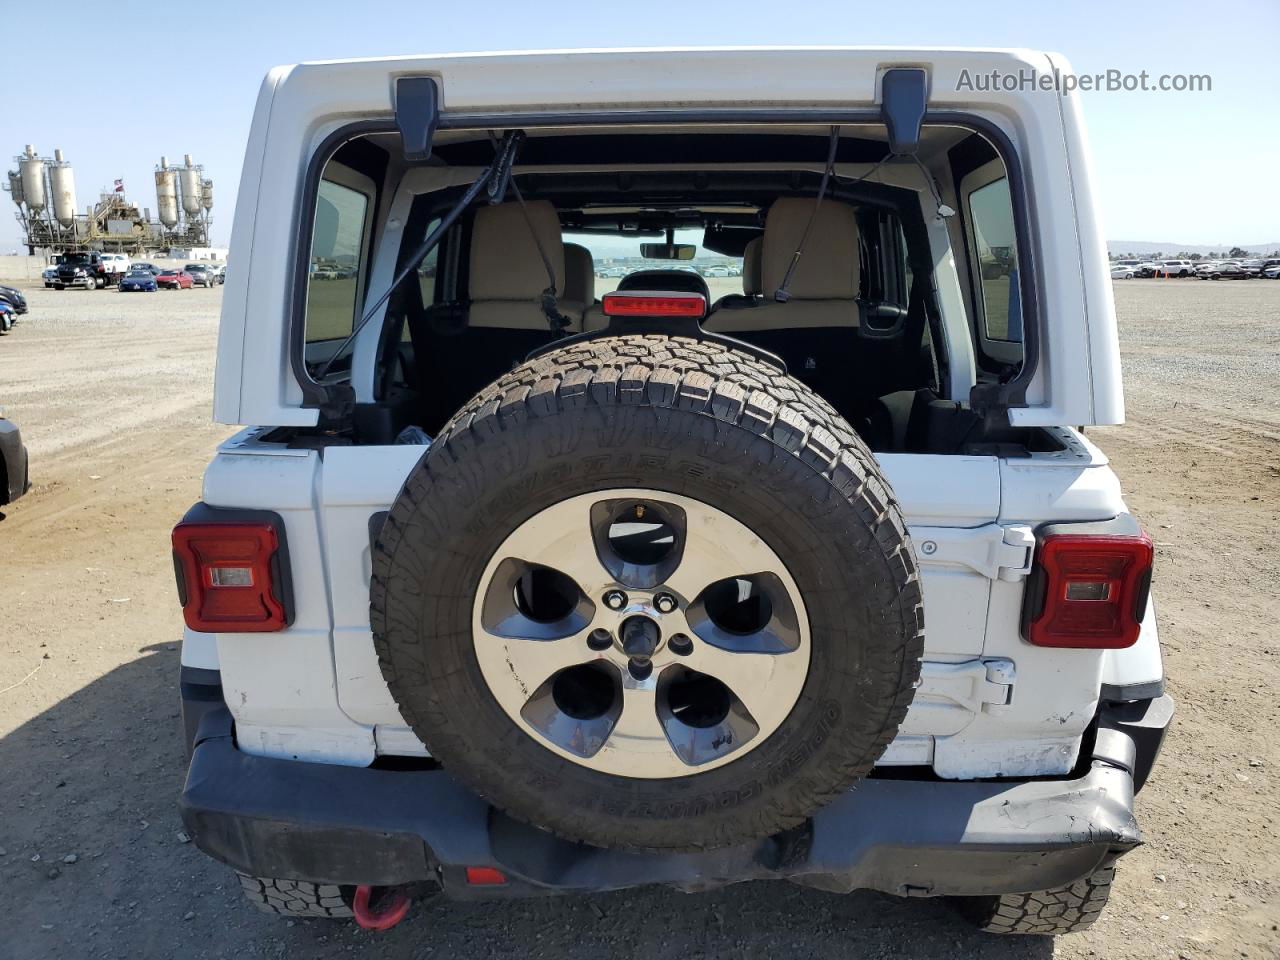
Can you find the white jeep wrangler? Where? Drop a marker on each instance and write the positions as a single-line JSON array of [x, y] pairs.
[[806, 574]]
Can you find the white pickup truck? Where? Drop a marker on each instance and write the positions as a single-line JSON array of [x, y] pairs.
[[503, 590]]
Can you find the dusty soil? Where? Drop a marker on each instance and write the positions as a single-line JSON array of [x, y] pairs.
[[112, 393]]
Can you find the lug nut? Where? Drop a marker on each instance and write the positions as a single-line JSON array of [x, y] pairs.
[[600, 639], [680, 645], [665, 602], [615, 599]]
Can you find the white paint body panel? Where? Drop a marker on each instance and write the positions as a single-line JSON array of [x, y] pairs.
[[299, 106], [989, 704], [315, 691]]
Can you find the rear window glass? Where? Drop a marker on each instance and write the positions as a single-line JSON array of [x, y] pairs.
[[991, 214], [614, 256], [336, 245]]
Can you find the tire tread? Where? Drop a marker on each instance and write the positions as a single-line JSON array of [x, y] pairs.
[[294, 898], [1069, 909]]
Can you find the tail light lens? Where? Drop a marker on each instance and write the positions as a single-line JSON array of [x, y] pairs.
[[485, 877], [231, 575], [655, 305], [1088, 591]]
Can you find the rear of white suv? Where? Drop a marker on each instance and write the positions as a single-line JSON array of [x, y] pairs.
[[853, 601]]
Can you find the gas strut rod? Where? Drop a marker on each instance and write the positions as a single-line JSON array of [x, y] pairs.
[[498, 171]]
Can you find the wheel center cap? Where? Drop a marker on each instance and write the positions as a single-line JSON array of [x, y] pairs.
[[641, 638]]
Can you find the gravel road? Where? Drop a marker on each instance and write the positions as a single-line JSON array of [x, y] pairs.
[[112, 393]]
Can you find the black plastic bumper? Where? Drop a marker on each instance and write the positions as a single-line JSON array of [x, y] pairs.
[[348, 825]]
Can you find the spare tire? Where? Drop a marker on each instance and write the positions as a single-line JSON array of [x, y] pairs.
[[652, 593]]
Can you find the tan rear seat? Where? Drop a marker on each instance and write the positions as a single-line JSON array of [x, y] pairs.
[[816, 331], [824, 287], [752, 282], [507, 272], [579, 277]]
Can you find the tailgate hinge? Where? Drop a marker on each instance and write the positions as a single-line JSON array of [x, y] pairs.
[[996, 552], [976, 685]]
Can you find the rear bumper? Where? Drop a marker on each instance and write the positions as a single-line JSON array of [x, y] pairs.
[[350, 825]]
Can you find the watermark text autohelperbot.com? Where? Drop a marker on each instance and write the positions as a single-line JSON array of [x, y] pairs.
[[1108, 81]]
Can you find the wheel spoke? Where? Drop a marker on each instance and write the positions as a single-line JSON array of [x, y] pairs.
[[638, 730], [754, 678], [560, 538], [717, 547], [525, 665]]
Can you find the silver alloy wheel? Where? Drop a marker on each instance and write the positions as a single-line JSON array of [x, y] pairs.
[[639, 703]]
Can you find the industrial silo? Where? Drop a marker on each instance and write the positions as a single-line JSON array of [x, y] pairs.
[[167, 194], [62, 183], [206, 195], [31, 173], [189, 179], [15, 186]]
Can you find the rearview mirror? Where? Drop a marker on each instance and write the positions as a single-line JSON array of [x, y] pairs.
[[668, 251]]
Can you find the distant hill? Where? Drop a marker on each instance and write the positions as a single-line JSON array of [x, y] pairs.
[[1145, 248]]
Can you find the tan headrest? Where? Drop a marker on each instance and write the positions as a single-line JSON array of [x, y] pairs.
[[579, 275], [505, 264], [751, 282], [828, 268]]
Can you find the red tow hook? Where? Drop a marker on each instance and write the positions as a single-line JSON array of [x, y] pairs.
[[392, 908]]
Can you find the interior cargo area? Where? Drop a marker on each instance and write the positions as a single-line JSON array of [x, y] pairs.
[[888, 284]]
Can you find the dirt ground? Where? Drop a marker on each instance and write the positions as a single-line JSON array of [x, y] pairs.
[[112, 393]]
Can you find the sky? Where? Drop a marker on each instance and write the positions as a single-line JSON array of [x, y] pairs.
[[1196, 168]]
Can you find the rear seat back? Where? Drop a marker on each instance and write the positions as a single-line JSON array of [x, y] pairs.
[[816, 331], [507, 273], [459, 352], [751, 280], [579, 278]]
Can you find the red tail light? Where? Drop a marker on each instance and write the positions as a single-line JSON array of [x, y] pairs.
[[1089, 590], [655, 304], [230, 576], [485, 877]]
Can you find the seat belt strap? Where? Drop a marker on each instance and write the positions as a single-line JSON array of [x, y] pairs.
[[782, 295]]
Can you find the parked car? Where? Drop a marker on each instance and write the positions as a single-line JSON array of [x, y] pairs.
[[116, 264], [15, 298], [1178, 268], [1122, 272], [139, 279], [1227, 271], [174, 280], [142, 265], [201, 274], [1271, 270], [1141, 268], [14, 479], [220, 271], [1253, 266], [652, 609], [87, 270], [1205, 268], [8, 317], [716, 271]]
